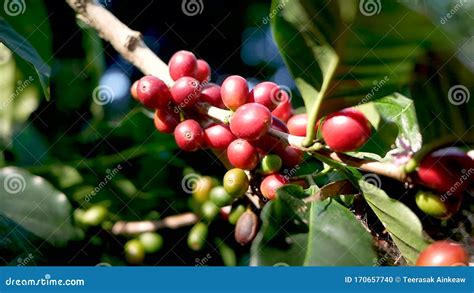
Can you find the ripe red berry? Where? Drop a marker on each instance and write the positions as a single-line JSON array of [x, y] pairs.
[[218, 136], [153, 92], [443, 253], [297, 124], [443, 170], [270, 184], [290, 156], [234, 92], [242, 154], [185, 92], [251, 121], [269, 143], [166, 120], [182, 63], [266, 93], [203, 73], [284, 111], [133, 90], [211, 93], [189, 135], [346, 130]]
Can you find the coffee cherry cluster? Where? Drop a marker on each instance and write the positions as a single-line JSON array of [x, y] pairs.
[[245, 139], [447, 173], [137, 248]]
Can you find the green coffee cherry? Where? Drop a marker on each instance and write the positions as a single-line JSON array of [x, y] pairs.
[[197, 236], [410, 166], [94, 216], [134, 252], [202, 188], [236, 213], [151, 242], [270, 164], [431, 204], [220, 197], [209, 210], [236, 182]]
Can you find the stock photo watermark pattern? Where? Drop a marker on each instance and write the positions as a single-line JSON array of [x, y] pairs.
[[192, 7]]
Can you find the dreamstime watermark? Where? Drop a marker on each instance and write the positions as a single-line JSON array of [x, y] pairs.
[[45, 281], [370, 7], [21, 85], [102, 95], [466, 174], [25, 261], [202, 261], [374, 180], [281, 94], [14, 183], [192, 7], [266, 19], [190, 183], [14, 7], [452, 12], [192, 97], [290, 172], [378, 84], [458, 95], [110, 175]]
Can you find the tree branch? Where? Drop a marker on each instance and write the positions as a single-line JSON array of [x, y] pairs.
[[130, 45], [171, 222]]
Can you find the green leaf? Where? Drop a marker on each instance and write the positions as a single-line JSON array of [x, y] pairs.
[[340, 57], [21, 47], [402, 224], [337, 238], [34, 204]]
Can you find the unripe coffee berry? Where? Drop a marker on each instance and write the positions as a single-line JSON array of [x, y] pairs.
[[246, 228], [151, 242], [346, 130], [189, 135], [218, 136], [211, 93], [94, 216], [236, 213], [166, 120], [270, 184], [203, 74], [431, 204], [134, 252], [220, 197], [185, 92], [202, 188], [182, 63], [266, 93], [234, 92], [209, 210], [197, 236], [242, 154], [153, 93], [270, 164], [251, 121], [236, 182], [443, 253]]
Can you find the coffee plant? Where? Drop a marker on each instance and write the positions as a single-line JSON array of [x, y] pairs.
[[367, 161]]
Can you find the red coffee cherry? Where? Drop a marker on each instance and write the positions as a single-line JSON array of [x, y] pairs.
[[189, 135], [283, 111], [242, 154], [443, 170], [346, 130], [269, 143], [166, 120], [211, 93], [203, 73], [290, 156], [153, 92], [186, 92], [251, 121], [270, 184], [218, 136], [266, 93], [443, 253], [234, 92], [134, 89], [297, 124], [182, 63]]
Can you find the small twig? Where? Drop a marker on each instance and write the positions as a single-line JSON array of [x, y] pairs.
[[171, 222]]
